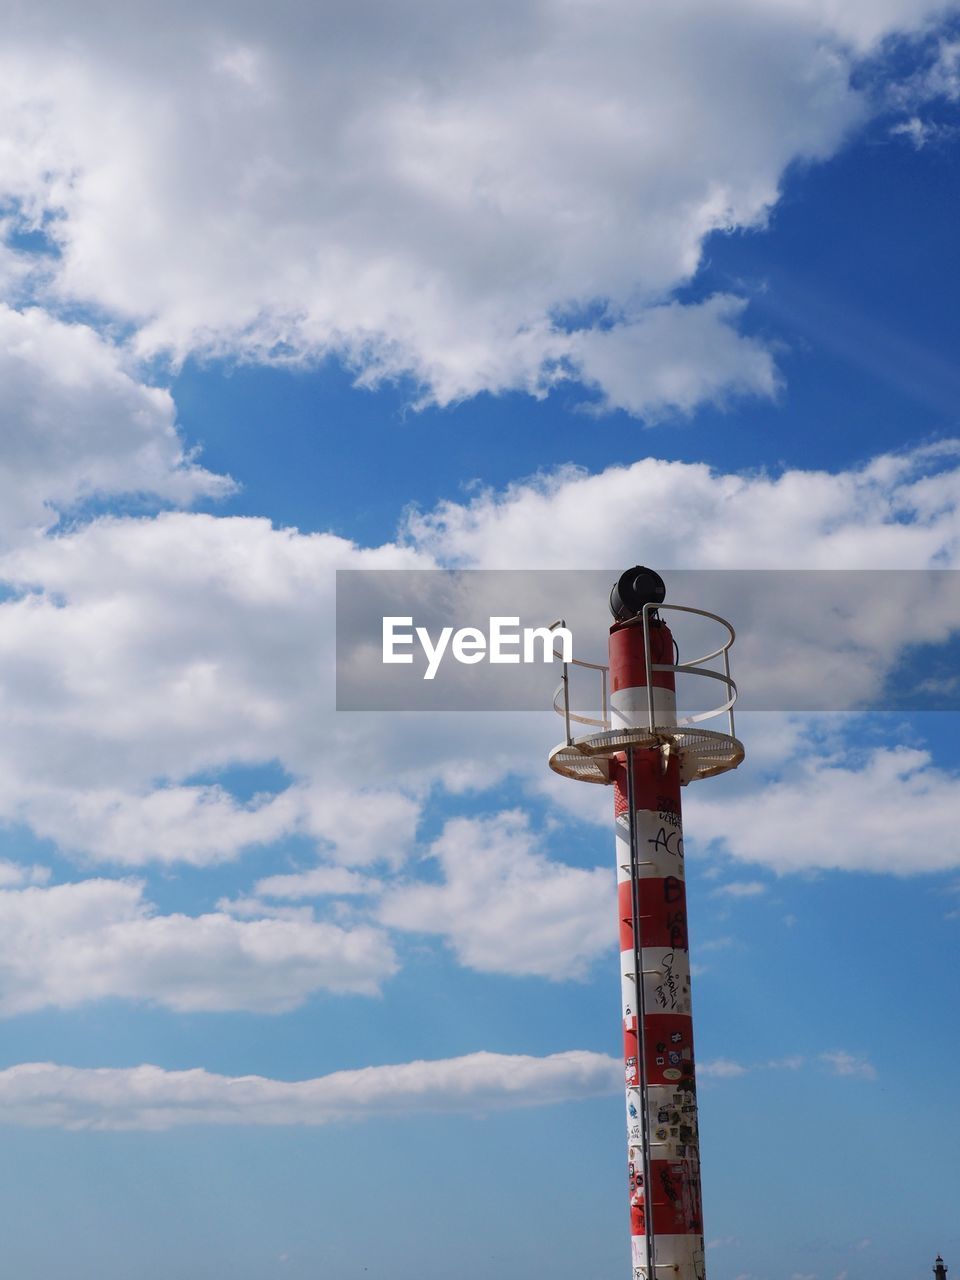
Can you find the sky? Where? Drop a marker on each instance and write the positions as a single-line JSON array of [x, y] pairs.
[[288, 991]]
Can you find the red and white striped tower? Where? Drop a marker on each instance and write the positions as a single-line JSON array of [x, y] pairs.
[[663, 1144], [647, 755]]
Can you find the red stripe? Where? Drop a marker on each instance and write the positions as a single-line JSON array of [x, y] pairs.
[[675, 1196], [663, 914], [656, 788], [628, 665], [668, 1039]]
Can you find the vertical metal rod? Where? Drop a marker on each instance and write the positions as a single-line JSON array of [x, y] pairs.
[[726, 672], [641, 1017], [648, 663], [566, 702]]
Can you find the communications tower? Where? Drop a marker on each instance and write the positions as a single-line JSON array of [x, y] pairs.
[[641, 747]]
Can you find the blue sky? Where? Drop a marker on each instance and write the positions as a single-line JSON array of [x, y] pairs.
[[393, 286]]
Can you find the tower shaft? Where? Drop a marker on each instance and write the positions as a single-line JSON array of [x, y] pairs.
[[663, 1154], [640, 746]]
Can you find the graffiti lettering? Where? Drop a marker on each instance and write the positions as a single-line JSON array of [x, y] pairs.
[[672, 841], [668, 990], [672, 889], [666, 1181], [668, 806], [677, 924]]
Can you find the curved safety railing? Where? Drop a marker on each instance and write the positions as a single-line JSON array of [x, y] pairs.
[[561, 699], [693, 667], [696, 667]]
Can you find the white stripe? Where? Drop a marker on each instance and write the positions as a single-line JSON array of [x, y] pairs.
[[659, 845], [683, 1252], [666, 979], [629, 708]]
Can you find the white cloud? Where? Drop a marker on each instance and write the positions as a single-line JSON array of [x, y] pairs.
[[503, 907], [180, 645], [840, 1062], [361, 824], [943, 77], [900, 511], [673, 358], [864, 21], [843, 1063], [938, 76], [721, 1069], [886, 812], [919, 132], [793, 1062], [76, 424], [426, 193], [318, 882], [14, 874], [716, 944], [740, 889], [204, 825], [69, 944], [896, 512], [148, 1097], [198, 825], [148, 655], [250, 907]]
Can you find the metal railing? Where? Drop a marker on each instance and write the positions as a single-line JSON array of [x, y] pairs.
[[693, 667], [563, 691]]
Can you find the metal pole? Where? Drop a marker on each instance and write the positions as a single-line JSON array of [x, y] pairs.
[[648, 663], [566, 702], [641, 1017], [726, 672]]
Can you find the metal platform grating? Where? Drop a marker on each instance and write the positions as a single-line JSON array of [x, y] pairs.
[[703, 752]]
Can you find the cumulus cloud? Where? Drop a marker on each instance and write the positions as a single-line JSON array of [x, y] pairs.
[[899, 511], [164, 648], [821, 644], [317, 882], [450, 201], [69, 944], [503, 907], [141, 656], [673, 358], [886, 811], [76, 424], [148, 1097], [192, 825], [204, 825], [15, 874]]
